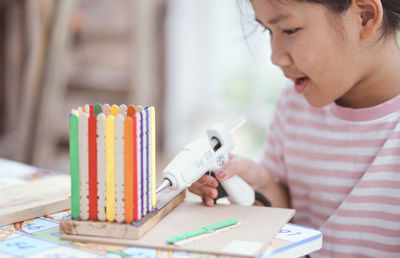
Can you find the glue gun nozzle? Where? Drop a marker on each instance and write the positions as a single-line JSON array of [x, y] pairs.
[[164, 184]]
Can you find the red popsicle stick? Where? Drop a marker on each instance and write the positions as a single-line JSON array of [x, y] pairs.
[[92, 165], [135, 182]]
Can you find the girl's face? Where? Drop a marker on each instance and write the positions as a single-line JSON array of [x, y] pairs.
[[315, 48]]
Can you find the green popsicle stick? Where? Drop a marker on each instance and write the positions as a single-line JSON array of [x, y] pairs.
[[74, 164], [98, 108], [202, 230]]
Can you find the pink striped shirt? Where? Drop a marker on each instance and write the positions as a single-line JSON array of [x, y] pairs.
[[342, 167]]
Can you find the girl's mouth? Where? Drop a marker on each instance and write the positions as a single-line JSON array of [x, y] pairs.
[[300, 84]]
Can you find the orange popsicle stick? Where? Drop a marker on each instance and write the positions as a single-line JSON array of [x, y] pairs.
[[131, 111]]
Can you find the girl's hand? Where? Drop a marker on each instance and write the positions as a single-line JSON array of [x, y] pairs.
[[250, 171], [206, 187]]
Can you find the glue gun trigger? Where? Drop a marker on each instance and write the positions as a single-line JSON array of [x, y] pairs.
[[221, 191]]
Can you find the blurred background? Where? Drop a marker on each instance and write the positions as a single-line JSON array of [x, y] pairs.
[[197, 62]]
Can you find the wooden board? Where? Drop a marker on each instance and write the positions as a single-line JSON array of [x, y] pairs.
[[34, 199], [167, 201], [259, 226]]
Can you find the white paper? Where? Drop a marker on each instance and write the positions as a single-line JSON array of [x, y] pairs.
[[242, 247]]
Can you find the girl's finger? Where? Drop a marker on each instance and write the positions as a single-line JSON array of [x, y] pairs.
[[208, 180], [210, 192], [195, 188], [200, 189], [209, 202]]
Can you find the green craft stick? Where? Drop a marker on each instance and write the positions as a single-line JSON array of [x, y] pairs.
[[74, 164], [202, 230], [98, 108]]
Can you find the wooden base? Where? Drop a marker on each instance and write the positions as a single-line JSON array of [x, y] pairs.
[[166, 202]]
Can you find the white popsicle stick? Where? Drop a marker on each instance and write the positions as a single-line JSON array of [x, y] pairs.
[[153, 155], [139, 108], [148, 160], [145, 175], [151, 168], [106, 109], [123, 109], [119, 168], [83, 165], [139, 166], [101, 166]]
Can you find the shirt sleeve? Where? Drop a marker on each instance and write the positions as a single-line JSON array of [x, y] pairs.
[[273, 154]]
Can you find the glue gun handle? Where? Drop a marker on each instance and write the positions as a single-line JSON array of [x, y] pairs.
[[239, 191]]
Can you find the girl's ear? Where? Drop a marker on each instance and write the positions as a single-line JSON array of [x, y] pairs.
[[370, 13]]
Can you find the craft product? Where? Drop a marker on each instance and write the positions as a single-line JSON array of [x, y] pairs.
[[112, 162]]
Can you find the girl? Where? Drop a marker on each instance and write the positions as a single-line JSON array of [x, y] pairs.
[[333, 150]]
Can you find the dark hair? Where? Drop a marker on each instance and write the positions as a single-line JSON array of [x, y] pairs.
[[391, 12]]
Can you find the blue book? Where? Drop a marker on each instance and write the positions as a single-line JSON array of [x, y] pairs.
[[294, 241]]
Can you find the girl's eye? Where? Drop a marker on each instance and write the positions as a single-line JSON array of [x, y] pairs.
[[290, 32]]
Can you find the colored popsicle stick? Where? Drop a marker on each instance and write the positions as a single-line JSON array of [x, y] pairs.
[[92, 124], [135, 169], [114, 110], [147, 171], [142, 167], [98, 108], [110, 169], [131, 111], [74, 163], [128, 169]]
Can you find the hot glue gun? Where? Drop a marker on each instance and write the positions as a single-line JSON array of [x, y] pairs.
[[203, 155]]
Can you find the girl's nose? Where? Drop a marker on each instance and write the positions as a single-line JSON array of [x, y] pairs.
[[279, 54]]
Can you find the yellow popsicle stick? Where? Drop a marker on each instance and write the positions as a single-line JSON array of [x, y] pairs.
[[110, 172], [153, 154], [114, 110]]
